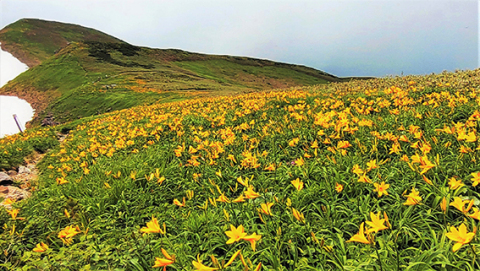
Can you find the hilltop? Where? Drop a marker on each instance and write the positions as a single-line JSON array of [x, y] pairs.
[[33, 41], [78, 72]]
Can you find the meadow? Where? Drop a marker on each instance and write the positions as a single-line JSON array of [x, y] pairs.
[[365, 175]]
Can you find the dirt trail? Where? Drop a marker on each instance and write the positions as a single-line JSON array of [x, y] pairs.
[[17, 184]]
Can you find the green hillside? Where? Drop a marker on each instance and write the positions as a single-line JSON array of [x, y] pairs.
[[84, 72]]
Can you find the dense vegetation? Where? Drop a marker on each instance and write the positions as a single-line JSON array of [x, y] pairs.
[[371, 175]]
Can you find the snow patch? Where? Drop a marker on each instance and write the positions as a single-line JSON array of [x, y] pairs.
[[10, 67]]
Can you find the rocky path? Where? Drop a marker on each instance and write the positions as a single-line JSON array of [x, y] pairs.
[[17, 184]]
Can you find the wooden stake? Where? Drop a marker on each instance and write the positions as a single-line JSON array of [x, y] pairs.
[[18, 124]]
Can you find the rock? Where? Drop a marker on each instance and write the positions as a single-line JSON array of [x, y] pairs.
[[14, 193], [49, 120], [22, 170], [5, 179]]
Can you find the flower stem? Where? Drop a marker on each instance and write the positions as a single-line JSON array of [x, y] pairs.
[[474, 255], [378, 256]]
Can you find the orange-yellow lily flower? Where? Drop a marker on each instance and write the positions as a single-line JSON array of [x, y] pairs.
[[152, 227], [232, 258], [250, 194], [200, 267], [42, 247], [461, 236], [381, 189], [476, 213], [298, 216], [159, 262], [252, 238], [13, 213], [235, 234], [454, 183], [376, 224], [266, 208], [338, 187], [360, 236], [475, 178], [222, 198], [413, 198], [178, 203], [297, 184]]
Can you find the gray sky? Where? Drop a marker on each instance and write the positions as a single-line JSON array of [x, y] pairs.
[[344, 38]]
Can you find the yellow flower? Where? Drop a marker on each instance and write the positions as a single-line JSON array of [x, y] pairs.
[[357, 170], [42, 247], [13, 213], [243, 182], [61, 180], [376, 224], [298, 216], [461, 236], [222, 198], [297, 184], [427, 180], [293, 142], [162, 262], [67, 234], [425, 165], [232, 258], [200, 267], [454, 183], [178, 203], [460, 204], [235, 234], [250, 194], [360, 236], [443, 205], [252, 238], [475, 178], [240, 198], [159, 262], [299, 162], [338, 187], [266, 208], [270, 167], [8, 201], [343, 144], [372, 164], [153, 227], [413, 198], [364, 179], [404, 158], [476, 213], [381, 189]]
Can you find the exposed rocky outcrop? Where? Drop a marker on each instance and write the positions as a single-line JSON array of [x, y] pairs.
[[17, 184], [49, 120]]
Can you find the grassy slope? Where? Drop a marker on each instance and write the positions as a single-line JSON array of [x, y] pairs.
[[114, 166]]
